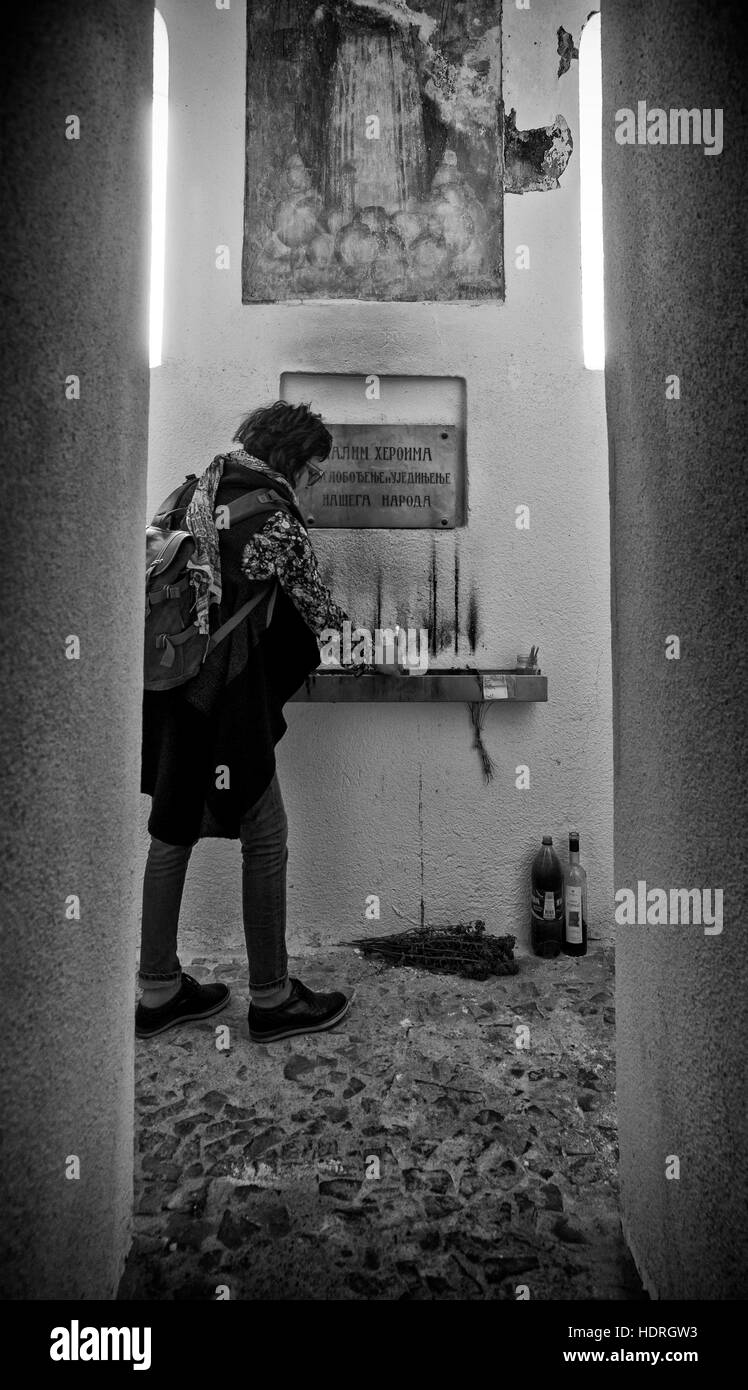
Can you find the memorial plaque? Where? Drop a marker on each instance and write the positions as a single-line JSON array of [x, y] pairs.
[[390, 476]]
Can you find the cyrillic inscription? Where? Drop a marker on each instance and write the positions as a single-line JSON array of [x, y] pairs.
[[361, 487]]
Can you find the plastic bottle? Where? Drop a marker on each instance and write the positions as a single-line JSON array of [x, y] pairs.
[[547, 927]]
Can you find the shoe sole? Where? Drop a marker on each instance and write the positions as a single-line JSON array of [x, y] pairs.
[[296, 1032], [184, 1018]]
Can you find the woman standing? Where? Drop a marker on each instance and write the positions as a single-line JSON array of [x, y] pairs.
[[209, 746]]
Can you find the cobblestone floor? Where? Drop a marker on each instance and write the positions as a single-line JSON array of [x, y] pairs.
[[256, 1166]]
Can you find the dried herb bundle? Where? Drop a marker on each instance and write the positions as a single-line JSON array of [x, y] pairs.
[[478, 719], [462, 949]]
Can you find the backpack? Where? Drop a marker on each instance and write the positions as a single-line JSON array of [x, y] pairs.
[[174, 649]]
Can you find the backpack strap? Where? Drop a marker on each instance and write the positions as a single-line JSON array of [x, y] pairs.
[[258, 502], [242, 613]]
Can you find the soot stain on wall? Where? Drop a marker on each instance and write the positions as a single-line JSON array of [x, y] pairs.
[[457, 601], [420, 837], [443, 627], [473, 622], [433, 602]]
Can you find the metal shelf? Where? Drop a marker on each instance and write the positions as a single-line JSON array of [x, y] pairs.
[[485, 686]]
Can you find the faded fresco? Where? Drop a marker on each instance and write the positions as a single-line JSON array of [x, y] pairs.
[[374, 161]]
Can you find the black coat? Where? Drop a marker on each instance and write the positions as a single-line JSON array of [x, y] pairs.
[[231, 714]]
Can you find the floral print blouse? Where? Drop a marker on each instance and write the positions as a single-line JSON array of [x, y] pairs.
[[282, 548]]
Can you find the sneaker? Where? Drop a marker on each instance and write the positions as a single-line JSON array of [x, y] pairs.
[[303, 1012], [193, 1001]]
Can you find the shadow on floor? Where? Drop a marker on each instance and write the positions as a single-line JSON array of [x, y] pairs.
[[415, 1153]]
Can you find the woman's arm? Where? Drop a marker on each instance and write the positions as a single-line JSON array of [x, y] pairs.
[[283, 549]]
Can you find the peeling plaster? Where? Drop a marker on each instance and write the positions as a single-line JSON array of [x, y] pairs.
[[566, 50], [534, 160]]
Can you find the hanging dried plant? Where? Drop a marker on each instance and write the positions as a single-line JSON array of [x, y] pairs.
[[478, 710]]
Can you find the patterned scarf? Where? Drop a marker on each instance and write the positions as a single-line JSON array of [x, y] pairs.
[[205, 565]]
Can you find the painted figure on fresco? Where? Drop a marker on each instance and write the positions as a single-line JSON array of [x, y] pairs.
[[373, 153]]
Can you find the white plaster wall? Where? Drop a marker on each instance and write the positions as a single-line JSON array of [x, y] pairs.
[[391, 800]]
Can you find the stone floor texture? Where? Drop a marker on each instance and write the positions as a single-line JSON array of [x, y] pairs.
[[450, 1140]]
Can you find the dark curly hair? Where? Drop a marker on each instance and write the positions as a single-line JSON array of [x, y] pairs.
[[285, 437]]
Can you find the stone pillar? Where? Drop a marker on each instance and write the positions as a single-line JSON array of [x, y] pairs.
[[75, 248], [674, 228]]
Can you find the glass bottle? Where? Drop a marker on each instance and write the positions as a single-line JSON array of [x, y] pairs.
[[575, 909]]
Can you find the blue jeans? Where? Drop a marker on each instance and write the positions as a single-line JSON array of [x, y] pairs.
[[264, 842]]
